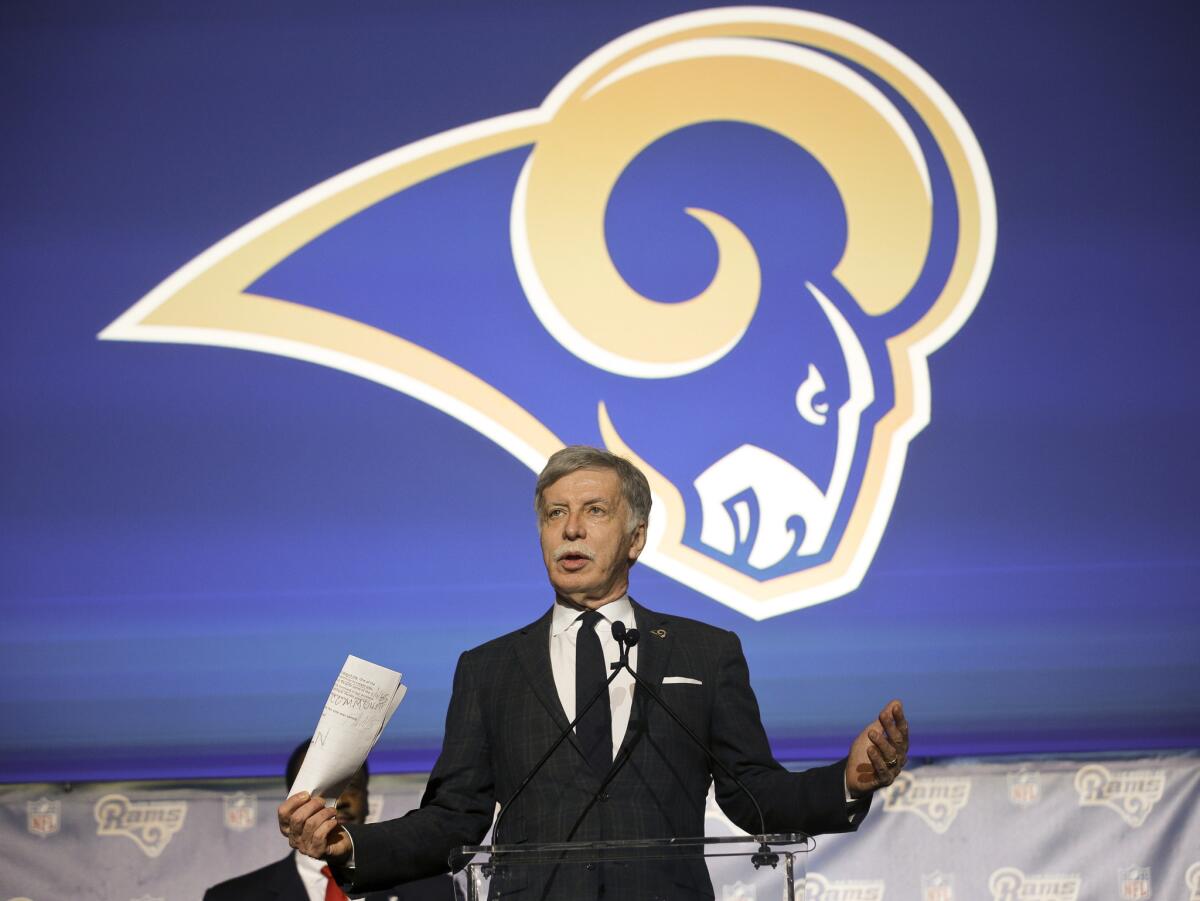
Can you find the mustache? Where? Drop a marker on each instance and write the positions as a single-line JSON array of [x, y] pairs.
[[573, 549]]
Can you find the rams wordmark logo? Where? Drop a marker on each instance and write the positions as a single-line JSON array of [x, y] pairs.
[[818, 888], [935, 799], [149, 824], [1131, 793], [1010, 884]]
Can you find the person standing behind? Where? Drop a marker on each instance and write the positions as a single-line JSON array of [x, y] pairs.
[[300, 878]]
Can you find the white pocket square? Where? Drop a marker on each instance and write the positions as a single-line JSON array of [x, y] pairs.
[[680, 680]]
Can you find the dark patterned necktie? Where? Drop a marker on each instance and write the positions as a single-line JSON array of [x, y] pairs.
[[594, 731]]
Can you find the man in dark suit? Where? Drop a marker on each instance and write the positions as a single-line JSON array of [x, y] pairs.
[[300, 878], [513, 696]]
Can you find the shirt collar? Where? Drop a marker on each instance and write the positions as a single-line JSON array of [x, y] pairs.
[[309, 865], [565, 615]]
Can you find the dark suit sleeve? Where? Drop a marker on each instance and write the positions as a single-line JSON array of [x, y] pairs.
[[812, 802], [456, 809]]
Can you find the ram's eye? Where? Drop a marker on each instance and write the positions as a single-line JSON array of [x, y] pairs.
[[811, 409]]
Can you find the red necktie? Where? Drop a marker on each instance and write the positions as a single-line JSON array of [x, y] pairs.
[[333, 891]]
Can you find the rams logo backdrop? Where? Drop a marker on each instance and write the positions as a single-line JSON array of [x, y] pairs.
[[894, 302], [731, 255]]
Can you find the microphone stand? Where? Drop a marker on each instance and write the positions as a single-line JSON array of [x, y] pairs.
[[621, 636], [554, 747], [627, 639]]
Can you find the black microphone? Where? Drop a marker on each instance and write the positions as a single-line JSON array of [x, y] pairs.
[[625, 639], [629, 638]]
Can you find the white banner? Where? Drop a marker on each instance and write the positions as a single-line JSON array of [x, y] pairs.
[[1112, 827]]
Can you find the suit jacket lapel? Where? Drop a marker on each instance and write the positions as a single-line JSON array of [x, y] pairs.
[[285, 879], [654, 653], [533, 651]]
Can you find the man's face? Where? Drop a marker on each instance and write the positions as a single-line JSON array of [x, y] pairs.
[[352, 803], [586, 542]]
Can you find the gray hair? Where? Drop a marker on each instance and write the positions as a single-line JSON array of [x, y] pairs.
[[634, 487]]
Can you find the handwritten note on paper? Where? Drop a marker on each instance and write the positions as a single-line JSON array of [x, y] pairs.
[[363, 699]]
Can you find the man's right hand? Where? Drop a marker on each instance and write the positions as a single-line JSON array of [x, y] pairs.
[[312, 828]]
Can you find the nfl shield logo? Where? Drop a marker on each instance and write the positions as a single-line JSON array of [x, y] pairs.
[[1135, 883], [937, 886], [240, 811], [1024, 788], [739, 891], [42, 817]]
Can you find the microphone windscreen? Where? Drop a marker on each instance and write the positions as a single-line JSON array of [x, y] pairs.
[[618, 631], [631, 638]]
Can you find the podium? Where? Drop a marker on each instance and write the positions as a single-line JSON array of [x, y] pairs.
[[632, 870]]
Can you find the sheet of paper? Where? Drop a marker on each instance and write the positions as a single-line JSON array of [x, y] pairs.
[[363, 699]]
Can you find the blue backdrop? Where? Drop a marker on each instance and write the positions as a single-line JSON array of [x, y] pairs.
[[195, 537]]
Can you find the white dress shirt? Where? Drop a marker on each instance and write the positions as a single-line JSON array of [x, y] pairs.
[[564, 635], [314, 880]]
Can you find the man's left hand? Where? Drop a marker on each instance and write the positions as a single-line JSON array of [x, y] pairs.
[[879, 753]]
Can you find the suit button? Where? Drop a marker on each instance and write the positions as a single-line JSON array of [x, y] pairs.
[[603, 796], [589, 866]]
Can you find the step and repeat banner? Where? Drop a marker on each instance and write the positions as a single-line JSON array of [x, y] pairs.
[[1052, 830], [894, 303]]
